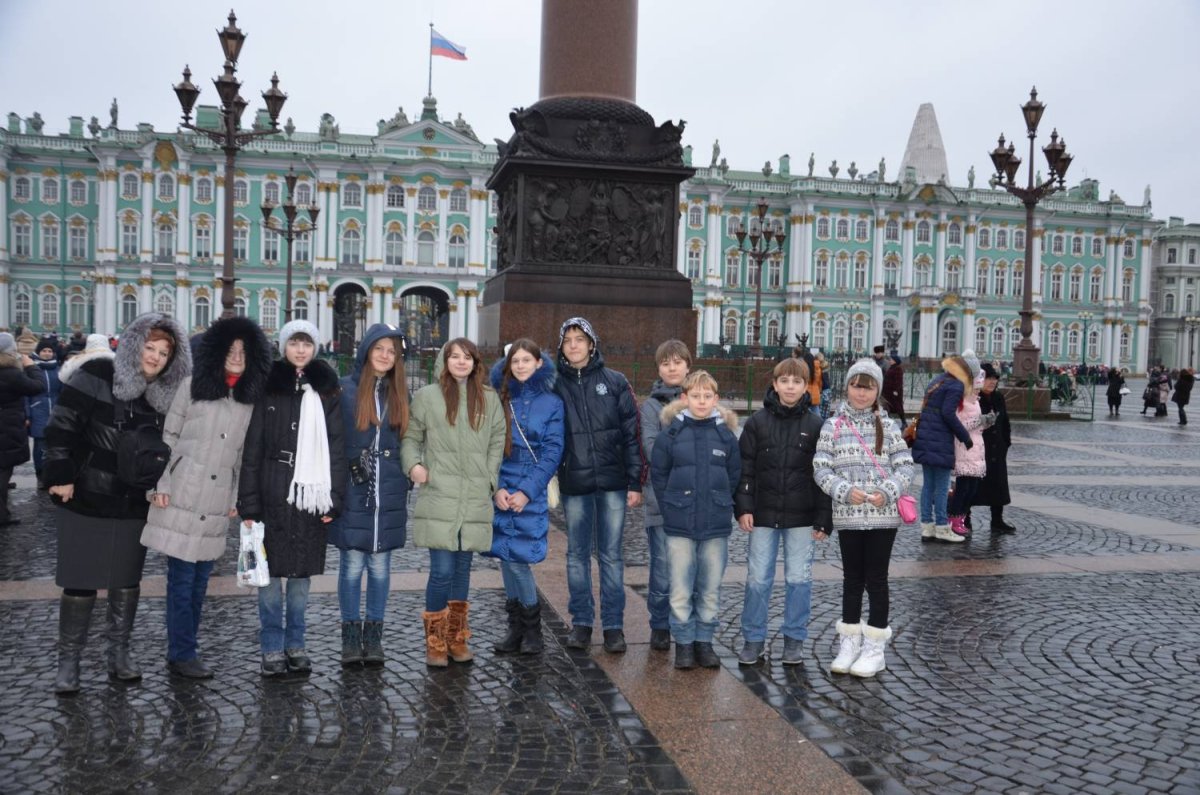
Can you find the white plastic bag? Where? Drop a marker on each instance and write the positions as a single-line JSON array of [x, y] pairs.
[[252, 571]]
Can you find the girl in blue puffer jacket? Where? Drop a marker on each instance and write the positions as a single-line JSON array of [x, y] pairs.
[[937, 428]]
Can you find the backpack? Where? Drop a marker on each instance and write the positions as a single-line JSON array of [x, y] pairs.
[[142, 455]]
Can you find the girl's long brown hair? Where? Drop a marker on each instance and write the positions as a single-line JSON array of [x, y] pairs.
[[857, 381], [476, 386], [523, 344], [396, 390]]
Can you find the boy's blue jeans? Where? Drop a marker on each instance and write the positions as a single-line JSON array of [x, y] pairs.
[[696, 569], [378, 566], [935, 485], [658, 596], [186, 585], [449, 578], [273, 638], [596, 521], [798, 548]]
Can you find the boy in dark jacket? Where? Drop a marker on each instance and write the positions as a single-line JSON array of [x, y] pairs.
[[695, 470], [779, 498], [38, 408], [600, 476]]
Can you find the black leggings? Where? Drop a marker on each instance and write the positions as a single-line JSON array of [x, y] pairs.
[[965, 489], [865, 557], [85, 592]]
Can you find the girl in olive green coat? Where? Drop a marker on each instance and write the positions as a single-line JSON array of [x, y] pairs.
[[452, 452]]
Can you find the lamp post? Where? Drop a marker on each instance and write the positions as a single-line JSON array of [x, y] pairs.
[[229, 136], [1025, 354], [851, 308], [1192, 323], [289, 232], [760, 235], [1086, 317]]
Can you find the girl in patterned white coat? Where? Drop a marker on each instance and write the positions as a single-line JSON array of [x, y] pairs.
[[864, 465]]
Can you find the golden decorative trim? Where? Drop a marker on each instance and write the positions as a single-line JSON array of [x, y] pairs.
[[714, 209], [909, 225], [184, 179], [428, 180], [147, 176], [411, 191], [941, 227], [971, 228], [428, 151], [145, 281], [443, 194], [481, 195]]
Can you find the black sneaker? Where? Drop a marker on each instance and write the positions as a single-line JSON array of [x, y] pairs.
[[190, 669], [685, 656], [579, 637], [298, 662], [705, 656], [614, 641], [660, 639]]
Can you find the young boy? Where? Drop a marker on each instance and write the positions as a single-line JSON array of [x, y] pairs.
[[695, 469], [674, 360], [778, 498], [600, 476]]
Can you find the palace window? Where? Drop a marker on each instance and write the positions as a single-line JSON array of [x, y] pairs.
[[77, 239], [950, 338], [981, 277], [733, 262], [891, 231], [1127, 250], [129, 239], [731, 330], [129, 309], [1094, 286], [858, 335], [752, 273], [22, 309], [1001, 238], [695, 216], [1054, 348], [22, 189], [891, 273], [1169, 304], [1018, 281], [1127, 287], [861, 230], [953, 277], [823, 228], [131, 185], [1097, 246], [1019, 239], [271, 193], [427, 199], [203, 246], [302, 248], [351, 247], [50, 310], [1076, 246], [458, 251], [954, 234], [241, 191], [204, 190], [1000, 279], [1076, 285], [352, 195], [78, 192], [1056, 286], [393, 248], [268, 313], [981, 338], [202, 312], [303, 195], [164, 243], [76, 311], [998, 341], [270, 245], [164, 303], [820, 333], [772, 332], [841, 271], [49, 190], [22, 239], [840, 334], [1093, 344], [924, 232], [458, 200], [774, 273], [1057, 245], [821, 275], [425, 249], [49, 241], [239, 306], [166, 188], [300, 309], [241, 243], [922, 271], [985, 237], [694, 258], [860, 272], [1126, 337], [1073, 343], [395, 197]]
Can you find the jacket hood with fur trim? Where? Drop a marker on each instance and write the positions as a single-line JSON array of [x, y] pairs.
[[208, 366], [282, 377], [128, 381], [676, 407], [72, 365], [955, 367]]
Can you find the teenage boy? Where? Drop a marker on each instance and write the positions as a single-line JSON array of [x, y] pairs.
[[695, 470], [779, 499], [600, 476], [674, 360]]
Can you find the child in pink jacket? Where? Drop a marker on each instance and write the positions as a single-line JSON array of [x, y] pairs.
[[969, 465]]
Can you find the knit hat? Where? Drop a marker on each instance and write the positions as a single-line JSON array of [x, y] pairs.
[[46, 342], [96, 343], [580, 323], [878, 350], [866, 367], [8, 343], [896, 358], [971, 360], [295, 327]]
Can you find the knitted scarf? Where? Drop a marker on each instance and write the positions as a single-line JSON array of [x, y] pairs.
[[310, 489]]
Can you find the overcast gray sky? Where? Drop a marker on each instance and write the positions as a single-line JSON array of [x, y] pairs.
[[841, 78]]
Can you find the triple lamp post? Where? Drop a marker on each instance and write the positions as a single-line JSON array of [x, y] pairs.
[[761, 234], [289, 232]]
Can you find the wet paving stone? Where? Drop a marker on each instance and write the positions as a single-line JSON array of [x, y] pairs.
[[1174, 503]]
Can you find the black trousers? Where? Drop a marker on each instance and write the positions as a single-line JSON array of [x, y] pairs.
[[6, 475], [865, 558]]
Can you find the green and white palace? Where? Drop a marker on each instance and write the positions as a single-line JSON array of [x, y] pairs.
[[102, 223]]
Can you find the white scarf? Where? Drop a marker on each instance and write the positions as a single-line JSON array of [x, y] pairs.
[[310, 489]]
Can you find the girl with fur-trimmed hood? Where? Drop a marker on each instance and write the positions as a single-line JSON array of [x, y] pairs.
[[938, 426], [194, 498], [100, 516]]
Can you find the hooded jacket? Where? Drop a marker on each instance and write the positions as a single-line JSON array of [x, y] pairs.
[[72, 365], [39, 406], [1183, 388], [375, 516], [972, 462], [603, 444], [778, 486], [695, 470], [17, 384], [206, 430], [650, 421], [454, 508], [939, 425], [82, 436], [537, 448]]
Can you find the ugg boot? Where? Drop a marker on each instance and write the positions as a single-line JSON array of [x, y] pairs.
[[74, 616], [511, 642], [927, 532], [942, 532], [352, 643], [531, 624], [372, 640], [871, 661], [849, 648], [458, 631], [958, 525], [435, 637], [122, 607]]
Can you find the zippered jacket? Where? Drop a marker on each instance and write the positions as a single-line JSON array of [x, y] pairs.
[[603, 441], [695, 470]]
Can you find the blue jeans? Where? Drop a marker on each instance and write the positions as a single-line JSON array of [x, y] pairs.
[[934, 488], [696, 569], [186, 585], [273, 638], [596, 521], [659, 592], [39, 449], [798, 548], [518, 582], [449, 578], [379, 578]]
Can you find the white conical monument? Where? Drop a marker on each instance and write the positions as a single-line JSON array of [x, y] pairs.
[[925, 152]]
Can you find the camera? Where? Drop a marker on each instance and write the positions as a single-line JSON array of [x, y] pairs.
[[358, 473]]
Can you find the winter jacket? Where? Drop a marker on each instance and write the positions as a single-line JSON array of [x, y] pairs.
[[1115, 382], [1183, 388], [17, 384], [38, 407], [695, 470], [996, 441], [939, 425], [603, 446], [521, 537], [842, 463], [454, 508], [295, 540], [375, 516], [82, 436], [892, 396], [206, 430], [778, 486], [650, 421], [973, 462], [71, 366]]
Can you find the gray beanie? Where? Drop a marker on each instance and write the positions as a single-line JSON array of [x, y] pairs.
[[7, 343], [295, 327], [866, 367], [971, 360]]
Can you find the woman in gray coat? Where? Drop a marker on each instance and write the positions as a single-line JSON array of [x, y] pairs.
[[189, 513]]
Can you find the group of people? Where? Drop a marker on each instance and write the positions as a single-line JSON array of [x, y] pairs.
[[1158, 391]]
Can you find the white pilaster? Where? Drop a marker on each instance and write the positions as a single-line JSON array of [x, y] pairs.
[[183, 299], [4, 275], [970, 275], [478, 233], [108, 213], [906, 253], [146, 252], [145, 298], [410, 228], [458, 319], [183, 224], [443, 233], [4, 220], [222, 195], [939, 257]]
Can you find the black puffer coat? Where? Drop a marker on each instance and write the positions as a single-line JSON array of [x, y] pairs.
[[777, 485], [16, 384], [993, 489], [603, 441], [295, 540]]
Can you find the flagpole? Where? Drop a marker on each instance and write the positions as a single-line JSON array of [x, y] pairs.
[[429, 90]]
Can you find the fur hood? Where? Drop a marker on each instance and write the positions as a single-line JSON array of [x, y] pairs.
[[281, 379], [955, 367], [542, 379], [70, 366], [10, 359], [208, 367], [128, 381], [676, 407]]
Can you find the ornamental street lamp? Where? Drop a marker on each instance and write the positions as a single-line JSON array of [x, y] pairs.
[[1086, 317], [851, 308], [1192, 323], [289, 232], [761, 234], [229, 136], [1026, 353]]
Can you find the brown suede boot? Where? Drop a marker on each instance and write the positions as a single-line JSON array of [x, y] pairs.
[[457, 632], [435, 638]]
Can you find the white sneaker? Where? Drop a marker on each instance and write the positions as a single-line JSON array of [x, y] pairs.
[[871, 661], [851, 644], [943, 533], [927, 531]]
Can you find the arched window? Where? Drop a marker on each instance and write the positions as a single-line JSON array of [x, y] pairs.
[[841, 271], [351, 247], [985, 237], [76, 311], [271, 240], [774, 273], [1057, 245], [164, 243], [300, 309], [427, 199], [1127, 287], [22, 237], [823, 227], [241, 243], [241, 191], [1001, 238], [1097, 246], [695, 216], [268, 313], [425, 249], [78, 192], [1169, 304], [731, 330], [924, 232], [239, 306], [302, 246], [49, 190], [271, 193], [50, 310], [954, 234], [1056, 285], [820, 333], [1188, 303], [49, 239], [164, 303], [1019, 239], [1000, 279], [22, 189], [393, 248], [166, 188], [130, 232], [998, 341], [1077, 246], [953, 276], [395, 197], [981, 338], [840, 332], [352, 195], [891, 232], [1093, 343], [1018, 279], [202, 246], [1077, 285], [772, 332], [860, 271], [821, 276], [1073, 343], [733, 262], [921, 268], [458, 200], [129, 308], [949, 337], [858, 336], [204, 190], [458, 251], [695, 259], [1126, 338], [303, 195], [891, 273], [202, 311], [1054, 344], [1094, 285], [22, 309], [861, 230], [131, 185]]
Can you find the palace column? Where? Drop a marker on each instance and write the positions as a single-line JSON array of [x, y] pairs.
[[443, 236], [878, 299], [906, 253], [806, 268], [477, 235], [970, 276], [1038, 233], [1110, 339], [145, 298], [4, 215], [373, 228], [183, 298], [410, 228], [146, 249], [107, 214], [939, 261], [218, 242], [183, 222]]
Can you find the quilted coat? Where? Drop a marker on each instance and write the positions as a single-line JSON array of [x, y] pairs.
[[695, 470], [939, 425], [16, 384], [650, 420], [973, 462]]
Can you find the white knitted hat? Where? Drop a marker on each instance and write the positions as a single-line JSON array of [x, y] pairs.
[[295, 327], [866, 367]]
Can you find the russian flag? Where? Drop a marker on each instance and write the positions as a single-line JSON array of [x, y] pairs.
[[440, 45]]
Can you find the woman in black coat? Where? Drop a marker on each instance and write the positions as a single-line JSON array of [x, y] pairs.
[[993, 489], [19, 379], [101, 515], [1183, 392], [1116, 382]]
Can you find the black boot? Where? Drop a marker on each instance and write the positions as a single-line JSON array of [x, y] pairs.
[[531, 626], [685, 656], [511, 643], [122, 607], [705, 656], [372, 643], [74, 616], [352, 643]]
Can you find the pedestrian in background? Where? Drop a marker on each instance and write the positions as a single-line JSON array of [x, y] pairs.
[[893, 391], [20, 380], [993, 489], [1183, 392], [39, 407], [938, 427], [1116, 382], [970, 463]]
